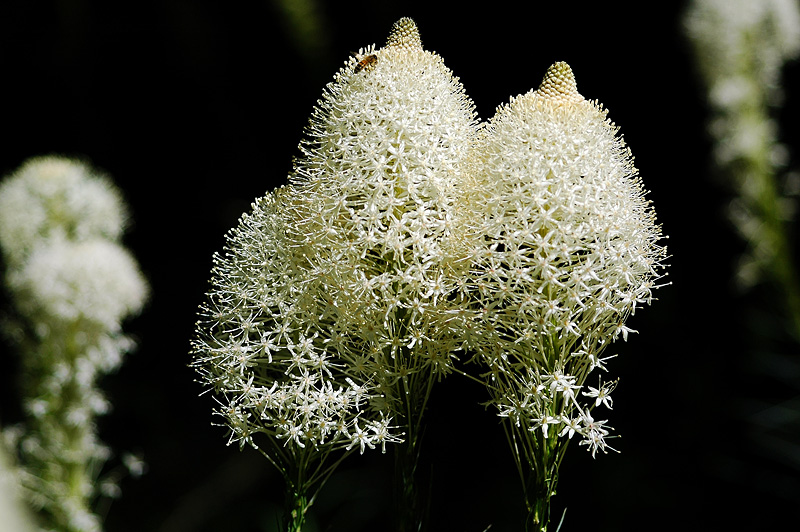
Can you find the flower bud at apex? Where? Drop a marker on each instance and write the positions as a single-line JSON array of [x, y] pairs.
[[404, 34], [559, 84]]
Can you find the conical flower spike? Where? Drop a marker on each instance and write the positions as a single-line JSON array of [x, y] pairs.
[[570, 247], [563, 246]]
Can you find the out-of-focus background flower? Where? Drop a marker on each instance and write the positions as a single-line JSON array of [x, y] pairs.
[[196, 107]]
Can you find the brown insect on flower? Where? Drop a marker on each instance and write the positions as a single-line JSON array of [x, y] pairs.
[[368, 61]]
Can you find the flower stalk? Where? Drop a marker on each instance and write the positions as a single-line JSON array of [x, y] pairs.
[[297, 505], [412, 494]]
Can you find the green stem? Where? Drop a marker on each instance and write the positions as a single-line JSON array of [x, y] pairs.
[[412, 490], [543, 457], [297, 505], [411, 501], [539, 507], [67, 466], [305, 471], [407, 495]]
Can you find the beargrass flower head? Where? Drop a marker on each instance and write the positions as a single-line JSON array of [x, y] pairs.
[[330, 283], [259, 344], [324, 327], [406, 234], [570, 241], [563, 247]]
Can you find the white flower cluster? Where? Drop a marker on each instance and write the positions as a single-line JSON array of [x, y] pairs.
[[323, 312], [267, 345], [562, 246], [541, 401], [373, 204], [407, 234], [72, 284]]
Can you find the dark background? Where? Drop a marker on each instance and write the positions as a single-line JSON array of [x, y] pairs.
[[196, 107]]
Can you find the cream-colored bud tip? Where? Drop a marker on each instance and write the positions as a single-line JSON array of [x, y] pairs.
[[405, 34], [559, 84]]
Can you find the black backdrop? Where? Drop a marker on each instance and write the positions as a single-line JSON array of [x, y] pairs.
[[195, 107]]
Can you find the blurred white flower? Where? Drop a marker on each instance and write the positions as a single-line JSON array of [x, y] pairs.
[[14, 516], [72, 285], [95, 280], [57, 197], [742, 45]]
